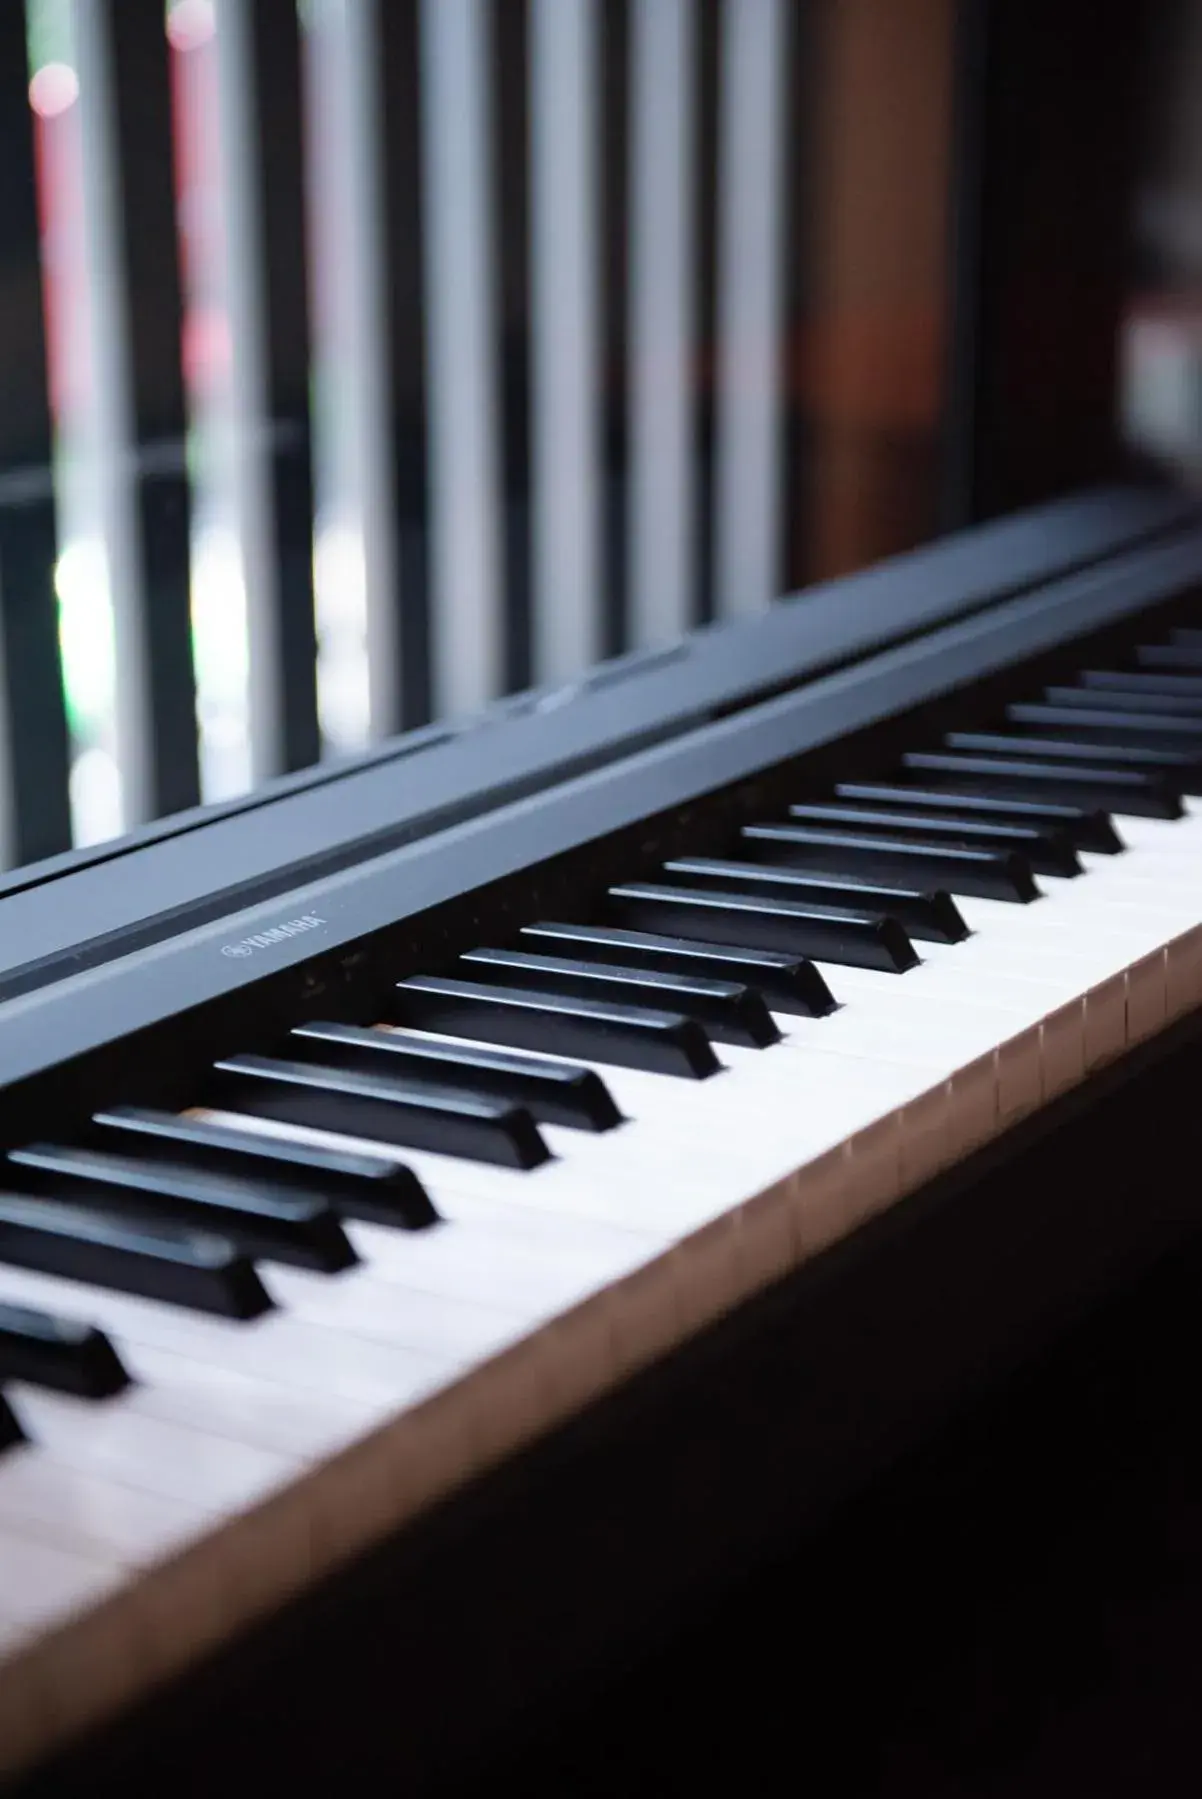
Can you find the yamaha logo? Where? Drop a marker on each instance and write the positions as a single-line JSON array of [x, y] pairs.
[[276, 933]]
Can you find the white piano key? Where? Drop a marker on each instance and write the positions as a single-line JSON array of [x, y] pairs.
[[467, 646], [487, 1266], [662, 199], [751, 127], [541, 1289], [284, 1351], [41, 1582], [547, 1187], [43, 1497], [118, 1439], [565, 334], [297, 1420], [13, 1632], [692, 1145], [359, 1304]]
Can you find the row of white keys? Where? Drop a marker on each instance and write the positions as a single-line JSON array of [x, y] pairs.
[[691, 1153], [225, 1413], [992, 995], [699, 1146], [43, 1579], [108, 1465], [222, 1413]]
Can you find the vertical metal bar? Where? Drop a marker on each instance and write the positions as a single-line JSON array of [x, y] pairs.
[[371, 364], [260, 155], [511, 249], [138, 398], [346, 171], [752, 127], [967, 298], [34, 812], [467, 641], [662, 582], [565, 321]]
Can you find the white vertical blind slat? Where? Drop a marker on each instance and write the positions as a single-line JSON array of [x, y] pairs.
[[565, 330], [346, 176], [751, 127], [111, 449], [248, 471], [467, 639], [662, 238]]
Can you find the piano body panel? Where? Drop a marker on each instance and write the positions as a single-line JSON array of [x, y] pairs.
[[477, 1627], [510, 1585], [190, 983], [78, 911]]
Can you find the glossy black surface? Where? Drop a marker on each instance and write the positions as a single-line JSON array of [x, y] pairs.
[[388, 1108], [370, 1187], [553, 1092], [1108, 789], [1046, 850], [56, 1352], [369, 869], [861, 939], [258, 1216], [730, 1013], [1180, 769], [1085, 828], [788, 983], [1127, 695], [647, 1037], [1169, 656], [1110, 725], [930, 916], [10, 1430], [989, 874], [196, 1269], [1142, 682]]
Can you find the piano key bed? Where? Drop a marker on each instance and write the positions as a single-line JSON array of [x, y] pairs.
[[266, 1302]]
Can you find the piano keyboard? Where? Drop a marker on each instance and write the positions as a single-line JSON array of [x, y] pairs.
[[360, 1259]]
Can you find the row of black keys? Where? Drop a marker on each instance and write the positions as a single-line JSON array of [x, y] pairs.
[[728, 939]]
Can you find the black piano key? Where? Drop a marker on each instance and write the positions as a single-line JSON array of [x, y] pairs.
[[725, 1010], [931, 916], [788, 983], [859, 939], [10, 1430], [369, 1187], [386, 1109], [1137, 700], [650, 1038], [553, 1092], [1181, 656], [1142, 682], [1110, 789], [60, 1353], [196, 1269], [1185, 634], [1180, 770], [989, 874], [1047, 851], [1084, 828], [1111, 725], [261, 1220]]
